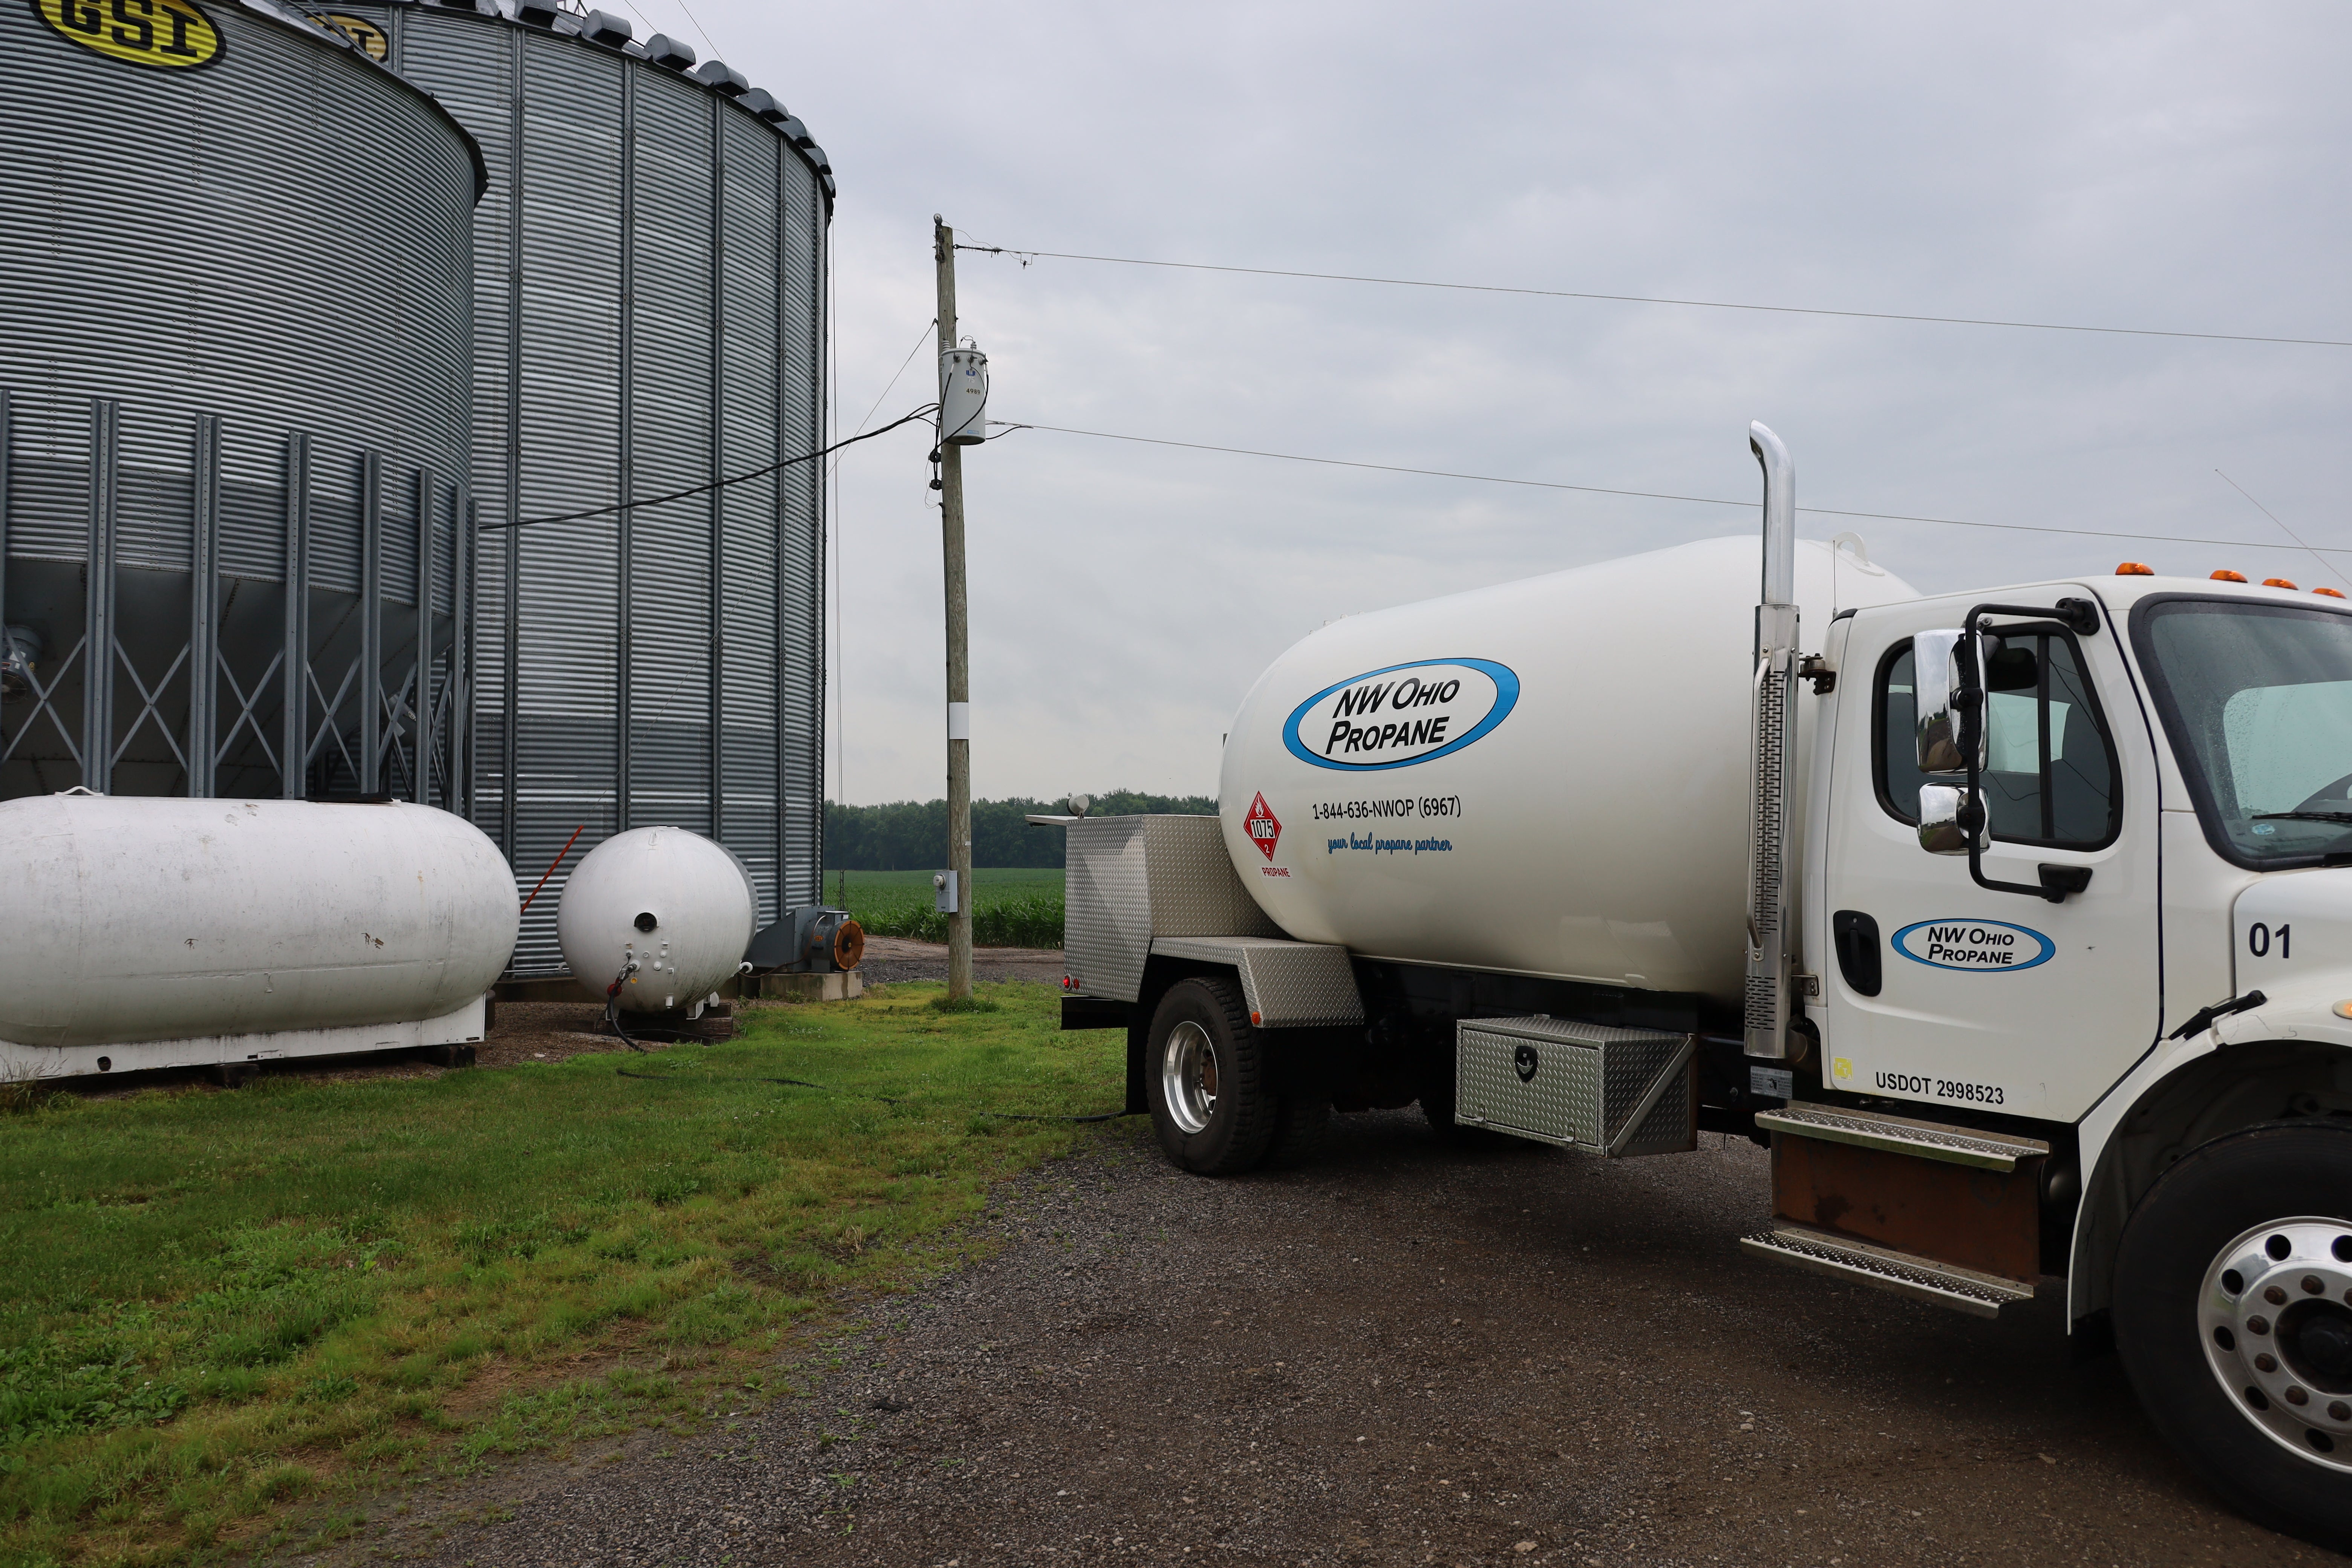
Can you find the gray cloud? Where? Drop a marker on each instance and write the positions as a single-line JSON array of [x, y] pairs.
[[2115, 165]]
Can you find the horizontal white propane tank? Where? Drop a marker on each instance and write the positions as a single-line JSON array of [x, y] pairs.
[[1547, 777], [136, 919], [678, 906]]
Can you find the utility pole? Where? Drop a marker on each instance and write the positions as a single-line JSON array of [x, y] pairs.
[[959, 650]]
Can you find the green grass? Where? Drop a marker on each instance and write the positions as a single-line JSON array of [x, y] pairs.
[[1012, 907], [214, 1304]]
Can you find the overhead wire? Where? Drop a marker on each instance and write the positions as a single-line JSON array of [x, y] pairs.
[[1026, 256], [697, 26], [718, 484], [903, 364], [1663, 495], [2326, 564]]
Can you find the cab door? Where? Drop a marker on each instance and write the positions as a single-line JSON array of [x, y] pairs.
[[1936, 989]]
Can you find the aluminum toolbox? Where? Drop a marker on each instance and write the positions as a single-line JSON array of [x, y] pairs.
[[1579, 1086]]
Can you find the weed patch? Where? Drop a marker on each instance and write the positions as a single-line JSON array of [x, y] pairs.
[[962, 1004]]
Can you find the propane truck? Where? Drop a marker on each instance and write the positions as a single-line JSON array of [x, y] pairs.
[[2018, 922]]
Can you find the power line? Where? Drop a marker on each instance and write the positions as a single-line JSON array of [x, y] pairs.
[[1659, 299], [1662, 495], [922, 338], [719, 484], [697, 27], [2291, 533]]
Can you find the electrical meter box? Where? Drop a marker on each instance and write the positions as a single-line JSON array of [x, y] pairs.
[[1605, 1090]]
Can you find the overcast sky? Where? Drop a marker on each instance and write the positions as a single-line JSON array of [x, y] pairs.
[[2120, 166]]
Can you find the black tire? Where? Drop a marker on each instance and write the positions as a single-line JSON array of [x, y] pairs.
[[1437, 1096], [2245, 1449], [1302, 1125], [1202, 1043]]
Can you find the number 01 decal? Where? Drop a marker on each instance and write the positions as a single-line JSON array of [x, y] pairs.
[[2260, 939], [169, 35]]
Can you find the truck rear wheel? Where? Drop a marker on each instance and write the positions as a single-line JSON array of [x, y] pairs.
[[2233, 1315], [1206, 1074], [1302, 1125]]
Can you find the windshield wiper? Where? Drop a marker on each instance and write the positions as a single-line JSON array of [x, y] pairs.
[[2344, 817]]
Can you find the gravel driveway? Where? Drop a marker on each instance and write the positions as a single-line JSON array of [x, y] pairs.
[[1410, 1353]]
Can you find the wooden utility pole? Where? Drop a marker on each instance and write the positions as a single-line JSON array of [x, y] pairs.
[[959, 650]]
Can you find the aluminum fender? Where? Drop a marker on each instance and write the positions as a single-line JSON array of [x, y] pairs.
[[1548, 777]]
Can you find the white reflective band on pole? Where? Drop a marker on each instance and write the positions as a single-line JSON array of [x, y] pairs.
[[958, 721]]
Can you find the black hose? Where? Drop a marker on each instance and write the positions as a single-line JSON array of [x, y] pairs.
[[613, 1006]]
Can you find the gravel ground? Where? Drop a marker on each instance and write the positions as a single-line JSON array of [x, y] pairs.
[[889, 958], [1410, 1352]]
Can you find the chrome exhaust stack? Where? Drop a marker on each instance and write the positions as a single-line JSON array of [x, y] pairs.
[[1772, 739]]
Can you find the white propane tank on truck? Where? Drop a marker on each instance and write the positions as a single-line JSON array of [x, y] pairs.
[[2017, 922], [157, 933], [663, 913], [1544, 777]]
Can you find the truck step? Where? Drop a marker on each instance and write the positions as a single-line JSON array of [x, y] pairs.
[[1882, 1269], [1902, 1135]]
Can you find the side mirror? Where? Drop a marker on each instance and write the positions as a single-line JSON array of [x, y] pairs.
[[1942, 830], [1935, 680]]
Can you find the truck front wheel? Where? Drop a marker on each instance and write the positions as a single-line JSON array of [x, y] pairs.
[[2233, 1315], [1207, 1078]]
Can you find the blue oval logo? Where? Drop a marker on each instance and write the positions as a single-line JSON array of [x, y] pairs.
[[1983, 947], [1404, 714]]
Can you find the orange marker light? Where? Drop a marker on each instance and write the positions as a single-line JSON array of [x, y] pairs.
[[2278, 582], [2331, 593], [2226, 575], [2134, 569]]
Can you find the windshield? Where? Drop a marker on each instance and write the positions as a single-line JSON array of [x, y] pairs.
[[2258, 701]]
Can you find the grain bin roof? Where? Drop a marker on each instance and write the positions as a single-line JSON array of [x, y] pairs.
[[328, 36]]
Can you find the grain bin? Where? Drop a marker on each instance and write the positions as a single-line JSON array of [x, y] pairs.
[[650, 269], [235, 331]]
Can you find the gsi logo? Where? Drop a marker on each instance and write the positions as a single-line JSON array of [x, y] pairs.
[[1263, 827], [172, 34]]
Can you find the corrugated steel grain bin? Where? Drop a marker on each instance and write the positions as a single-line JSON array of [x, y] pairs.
[[649, 265], [236, 307]]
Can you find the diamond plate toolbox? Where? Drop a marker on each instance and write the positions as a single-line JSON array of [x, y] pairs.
[[1576, 1085]]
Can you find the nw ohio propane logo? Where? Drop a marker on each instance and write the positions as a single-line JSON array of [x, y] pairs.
[[1983, 946], [1404, 714]]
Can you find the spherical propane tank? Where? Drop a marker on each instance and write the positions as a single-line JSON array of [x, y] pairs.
[[679, 907], [145, 918], [1548, 777]]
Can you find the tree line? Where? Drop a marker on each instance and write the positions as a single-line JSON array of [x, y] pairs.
[[912, 834]]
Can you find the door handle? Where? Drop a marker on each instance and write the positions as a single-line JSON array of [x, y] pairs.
[[1855, 937]]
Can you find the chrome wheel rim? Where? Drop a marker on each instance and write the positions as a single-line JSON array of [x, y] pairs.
[[1188, 1076], [2275, 1317]]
